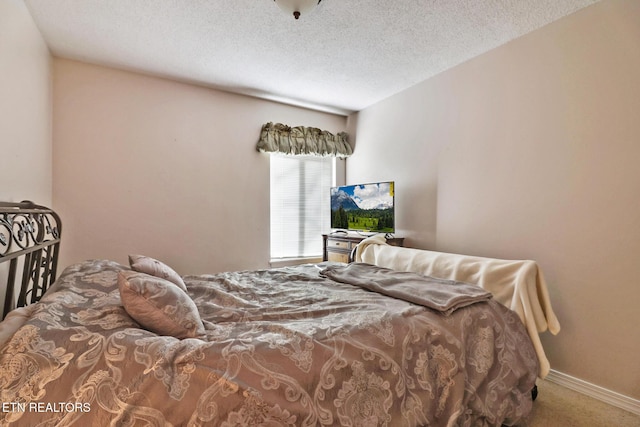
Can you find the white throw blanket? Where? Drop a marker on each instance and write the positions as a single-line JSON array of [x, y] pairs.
[[519, 285]]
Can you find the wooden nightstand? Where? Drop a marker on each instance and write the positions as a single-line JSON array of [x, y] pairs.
[[338, 247]]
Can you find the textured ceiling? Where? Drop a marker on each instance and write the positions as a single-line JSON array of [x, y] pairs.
[[342, 57]]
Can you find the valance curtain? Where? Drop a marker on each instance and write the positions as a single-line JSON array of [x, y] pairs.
[[302, 141]]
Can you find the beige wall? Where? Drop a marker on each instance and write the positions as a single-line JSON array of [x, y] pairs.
[[25, 107], [25, 112], [532, 151], [170, 170]]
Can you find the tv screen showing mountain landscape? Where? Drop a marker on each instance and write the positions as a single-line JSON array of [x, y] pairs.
[[363, 207]]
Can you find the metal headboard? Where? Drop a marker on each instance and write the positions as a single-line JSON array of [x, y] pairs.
[[30, 237]]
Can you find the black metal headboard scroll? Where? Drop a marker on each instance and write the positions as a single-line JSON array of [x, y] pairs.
[[29, 238]]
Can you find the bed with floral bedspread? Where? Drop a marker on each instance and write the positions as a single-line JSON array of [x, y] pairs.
[[278, 347]]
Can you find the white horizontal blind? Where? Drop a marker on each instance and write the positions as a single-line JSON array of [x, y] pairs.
[[299, 204]]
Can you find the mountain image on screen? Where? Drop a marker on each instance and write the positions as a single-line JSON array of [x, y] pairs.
[[364, 207]]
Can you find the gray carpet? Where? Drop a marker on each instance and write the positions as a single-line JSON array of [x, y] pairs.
[[559, 406]]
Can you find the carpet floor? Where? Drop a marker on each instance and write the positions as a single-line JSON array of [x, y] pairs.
[[562, 407]]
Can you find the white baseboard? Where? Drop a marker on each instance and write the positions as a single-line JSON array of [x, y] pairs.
[[610, 397]]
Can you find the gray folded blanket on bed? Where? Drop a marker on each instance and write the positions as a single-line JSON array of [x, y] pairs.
[[439, 294]]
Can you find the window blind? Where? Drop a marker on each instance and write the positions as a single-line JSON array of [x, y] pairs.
[[300, 209]]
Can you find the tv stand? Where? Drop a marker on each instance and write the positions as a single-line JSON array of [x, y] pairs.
[[339, 247]]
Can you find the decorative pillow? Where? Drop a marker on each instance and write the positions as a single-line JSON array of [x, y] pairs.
[[145, 264], [159, 306]]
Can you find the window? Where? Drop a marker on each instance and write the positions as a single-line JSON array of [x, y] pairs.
[[299, 204]]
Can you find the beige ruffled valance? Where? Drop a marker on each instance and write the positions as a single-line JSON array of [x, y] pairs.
[[302, 141]]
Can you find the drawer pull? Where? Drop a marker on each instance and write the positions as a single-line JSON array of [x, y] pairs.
[[338, 244]]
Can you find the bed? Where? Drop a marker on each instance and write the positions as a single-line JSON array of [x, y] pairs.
[[318, 344], [29, 247]]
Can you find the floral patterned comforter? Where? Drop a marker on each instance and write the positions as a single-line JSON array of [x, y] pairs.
[[283, 347]]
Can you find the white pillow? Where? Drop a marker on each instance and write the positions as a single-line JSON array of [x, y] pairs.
[[159, 306], [145, 264]]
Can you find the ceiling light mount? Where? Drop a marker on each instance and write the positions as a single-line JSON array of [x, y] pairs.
[[297, 8]]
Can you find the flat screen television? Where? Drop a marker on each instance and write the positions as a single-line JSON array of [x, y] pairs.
[[363, 207]]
